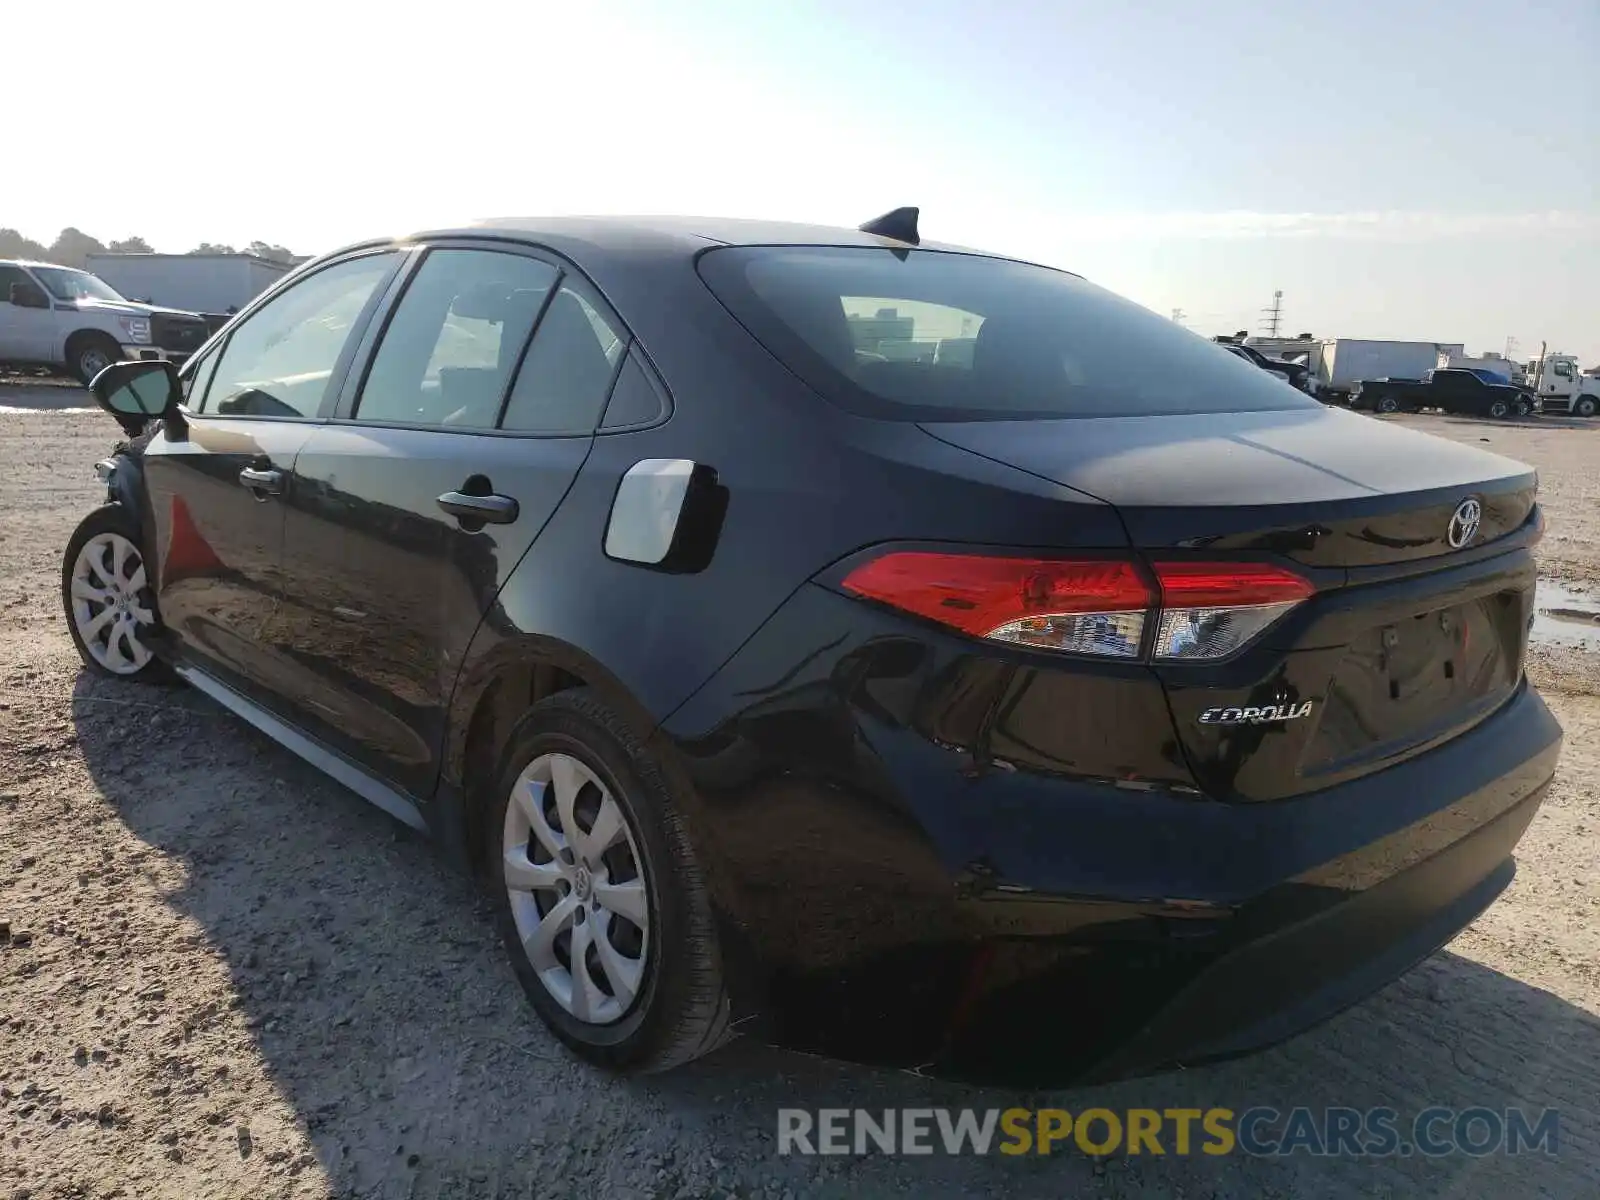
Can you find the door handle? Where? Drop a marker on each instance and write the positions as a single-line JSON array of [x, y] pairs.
[[264, 481], [496, 510]]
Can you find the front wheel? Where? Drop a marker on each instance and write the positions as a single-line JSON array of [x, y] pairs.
[[601, 903], [1584, 406], [91, 354], [1498, 409], [1388, 405], [105, 590], [1522, 408]]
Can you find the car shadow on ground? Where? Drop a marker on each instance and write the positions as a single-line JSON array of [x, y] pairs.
[[32, 395], [377, 994]]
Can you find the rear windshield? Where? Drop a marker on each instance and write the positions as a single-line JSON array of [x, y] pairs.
[[937, 336]]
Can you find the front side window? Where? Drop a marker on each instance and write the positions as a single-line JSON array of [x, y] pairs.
[[941, 336], [1564, 369], [8, 276], [278, 361], [455, 338], [567, 374], [66, 284]]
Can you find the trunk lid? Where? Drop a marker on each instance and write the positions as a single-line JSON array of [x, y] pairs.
[[1319, 486], [1410, 639]]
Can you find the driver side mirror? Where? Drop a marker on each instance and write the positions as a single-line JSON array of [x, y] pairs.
[[136, 393], [28, 295]]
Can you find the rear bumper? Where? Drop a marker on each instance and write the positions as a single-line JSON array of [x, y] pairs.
[[885, 898]]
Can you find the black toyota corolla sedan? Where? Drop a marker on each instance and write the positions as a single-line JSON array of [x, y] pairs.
[[829, 634]]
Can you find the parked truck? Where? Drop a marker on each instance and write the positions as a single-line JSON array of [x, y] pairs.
[[1560, 387], [1449, 390], [1346, 362], [72, 321]]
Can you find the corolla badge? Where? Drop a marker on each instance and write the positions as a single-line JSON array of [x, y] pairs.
[[1264, 714], [1464, 523]]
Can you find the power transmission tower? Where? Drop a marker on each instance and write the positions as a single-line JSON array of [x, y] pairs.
[[1177, 315], [1274, 315]]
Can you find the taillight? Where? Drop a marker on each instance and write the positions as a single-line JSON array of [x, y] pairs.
[[1100, 607], [1209, 610]]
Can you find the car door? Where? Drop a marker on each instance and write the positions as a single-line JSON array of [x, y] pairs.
[[443, 462], [27, 332], [217, 481], [1449, 391]]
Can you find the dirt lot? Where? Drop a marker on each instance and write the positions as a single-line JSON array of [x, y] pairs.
[[227, 976]]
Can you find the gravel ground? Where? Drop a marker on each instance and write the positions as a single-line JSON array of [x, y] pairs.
[[226, 976]]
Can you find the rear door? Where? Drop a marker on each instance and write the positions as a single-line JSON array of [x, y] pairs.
[[218, 482], [443, 462]]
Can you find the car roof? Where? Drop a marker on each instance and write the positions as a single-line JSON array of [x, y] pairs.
[[664, 236], [723, 231]]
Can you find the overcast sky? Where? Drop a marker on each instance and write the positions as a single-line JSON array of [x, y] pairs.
[[1398, 168]]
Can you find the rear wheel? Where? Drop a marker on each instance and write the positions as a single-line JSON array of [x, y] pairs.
[[90, 354], [600, 901], [106, 593]]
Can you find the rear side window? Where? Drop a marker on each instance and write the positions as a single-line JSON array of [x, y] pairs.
[[566, 377], [939, 336], [454, 339]]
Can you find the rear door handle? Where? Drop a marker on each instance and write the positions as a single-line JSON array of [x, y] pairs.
[[267, 481], [497, 510]]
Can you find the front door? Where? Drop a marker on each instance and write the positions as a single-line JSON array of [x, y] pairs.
[[27, 334], [415, 504], [218, 480]]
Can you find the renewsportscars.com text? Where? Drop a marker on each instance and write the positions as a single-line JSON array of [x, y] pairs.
[[1259, 1131]]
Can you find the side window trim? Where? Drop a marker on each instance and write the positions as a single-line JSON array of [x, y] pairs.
[[366, 346], [341, 365], [527, 345], [652, 377], [607, 313]]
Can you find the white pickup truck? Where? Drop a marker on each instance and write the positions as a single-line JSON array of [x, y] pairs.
[[73, 321]]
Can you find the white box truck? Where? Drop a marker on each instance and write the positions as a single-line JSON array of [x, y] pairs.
[[1482, 364], [206, 283], [1348, 361]]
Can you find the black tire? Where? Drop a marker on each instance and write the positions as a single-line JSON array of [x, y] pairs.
[[1584, 406], [90, 353], [1499, 410], [682, 1010], [1522, 408], [1388, 404], [109, 519]]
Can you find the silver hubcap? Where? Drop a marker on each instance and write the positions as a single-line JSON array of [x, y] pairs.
[[108, 603], [93, 362], [575, 879]]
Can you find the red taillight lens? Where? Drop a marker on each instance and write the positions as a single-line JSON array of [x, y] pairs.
[[1204, 584], [1086, 606], [1090, 606]]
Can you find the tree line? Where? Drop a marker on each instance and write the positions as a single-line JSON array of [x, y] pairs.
[[72, 248]]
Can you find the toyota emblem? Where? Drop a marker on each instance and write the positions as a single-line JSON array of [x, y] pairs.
[[1464, 523]]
